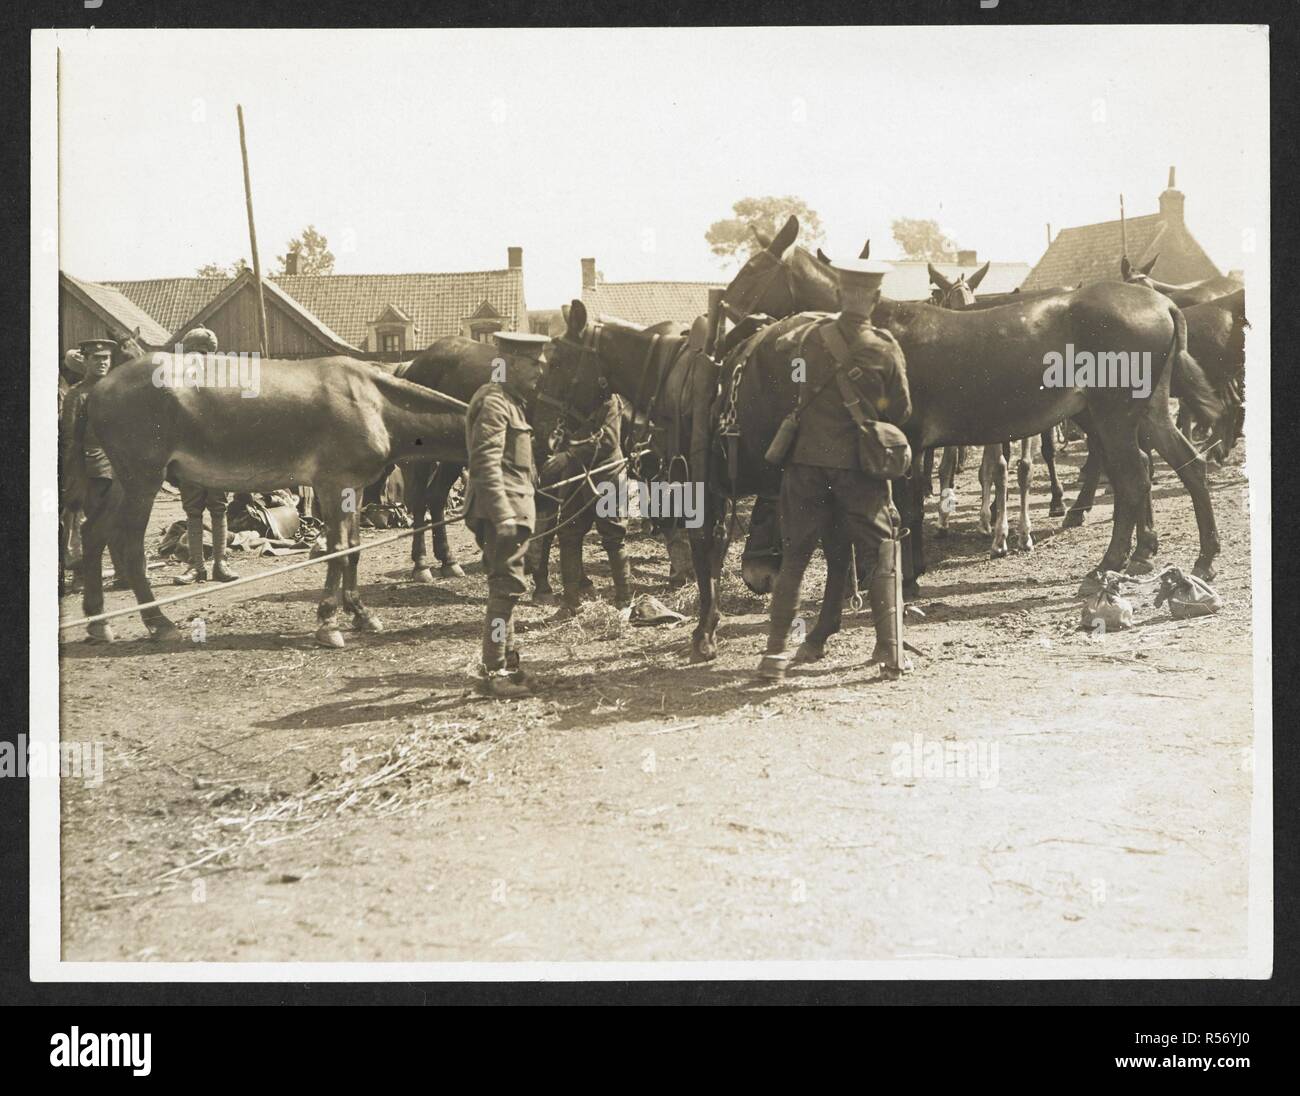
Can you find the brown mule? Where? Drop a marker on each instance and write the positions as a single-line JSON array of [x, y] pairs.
[[333, 423]]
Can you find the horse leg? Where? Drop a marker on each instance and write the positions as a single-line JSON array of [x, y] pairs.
[[1128, 478], [947, 494], [330, 500], [137, 493], [415, 481], [1089, 477], [911, 506], [363, 620], [708, 549], [1190, 467], [988, 468], [928, 472], [1024, 470], [1047, 446], [435, 503]]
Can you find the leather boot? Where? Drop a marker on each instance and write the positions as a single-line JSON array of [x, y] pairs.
[[621, 570], [886, 596], [220, 571], [195, 572]]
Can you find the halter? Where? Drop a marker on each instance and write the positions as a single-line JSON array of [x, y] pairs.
[[780, 268], [590, 345]]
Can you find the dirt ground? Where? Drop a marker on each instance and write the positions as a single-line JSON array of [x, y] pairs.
[[1029, 791]]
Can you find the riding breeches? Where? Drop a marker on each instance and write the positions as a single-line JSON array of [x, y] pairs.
[[838, 505], [503, 560], [195, 499]]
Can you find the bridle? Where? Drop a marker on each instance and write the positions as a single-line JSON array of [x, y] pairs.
[[650, 382], [779, 269]]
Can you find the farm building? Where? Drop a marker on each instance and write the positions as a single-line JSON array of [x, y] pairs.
[[644, 303], [1092, 253], [381, 316], [909, 279]]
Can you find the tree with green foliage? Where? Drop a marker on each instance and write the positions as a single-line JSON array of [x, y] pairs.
[[314, 255], [734, 240], [922, 239]]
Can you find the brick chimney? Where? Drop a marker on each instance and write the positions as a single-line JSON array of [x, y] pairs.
[[1171, 201], [588, 273], [515, 258], [291, 261], [967, 258]]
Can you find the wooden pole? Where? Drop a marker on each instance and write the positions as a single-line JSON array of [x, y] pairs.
[[1123, 228], [252, 234]]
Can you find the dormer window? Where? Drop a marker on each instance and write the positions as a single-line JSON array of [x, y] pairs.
[[392, 331], [484, 322]]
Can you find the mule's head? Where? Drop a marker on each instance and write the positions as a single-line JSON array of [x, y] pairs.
[[574, 382], [959, 294], [763, 283], [1137, 275]]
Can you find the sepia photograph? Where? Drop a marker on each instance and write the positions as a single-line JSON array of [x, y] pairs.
[[656, 502]]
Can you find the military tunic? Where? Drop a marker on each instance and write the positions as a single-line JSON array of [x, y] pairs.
[[825, 494], [499, 509]]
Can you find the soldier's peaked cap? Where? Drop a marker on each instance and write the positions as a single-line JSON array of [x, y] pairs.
[[523, 343], [95, 346], [860, 273]]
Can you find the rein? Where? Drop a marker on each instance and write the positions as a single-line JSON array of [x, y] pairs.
[[736, 314]]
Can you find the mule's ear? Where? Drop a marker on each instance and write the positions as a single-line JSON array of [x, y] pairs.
[[1125, 268], [764, 240], [866, 251], [1148, 268], [787, 236], [576, 320], [938, 279], [564, 314], [974, 280], [822, 257]]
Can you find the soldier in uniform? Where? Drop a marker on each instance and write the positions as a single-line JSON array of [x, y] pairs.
[[824, 490], [499, 507], [96, 357], [599, 441], [195, 498]]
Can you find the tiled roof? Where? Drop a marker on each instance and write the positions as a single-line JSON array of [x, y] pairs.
[[649, 303], [348, 303], [437, 303], [172, 301], [1092, 253], [122, 309], [909, 279]]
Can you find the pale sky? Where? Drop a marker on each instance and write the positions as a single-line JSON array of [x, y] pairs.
[[436, 150]]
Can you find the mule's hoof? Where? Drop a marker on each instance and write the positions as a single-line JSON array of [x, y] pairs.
[[452, 569], [998, 553], [422, 575], [1056, 510], [329, 637], [1027, 544], [99, 632], [162, 631], [1204, 571], [368, 622], [703, 650], [773, 667], [1139, 567], [1073, 520], [545, 597], [809, 652]]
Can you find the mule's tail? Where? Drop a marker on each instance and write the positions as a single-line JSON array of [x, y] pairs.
[[1187, 382]]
